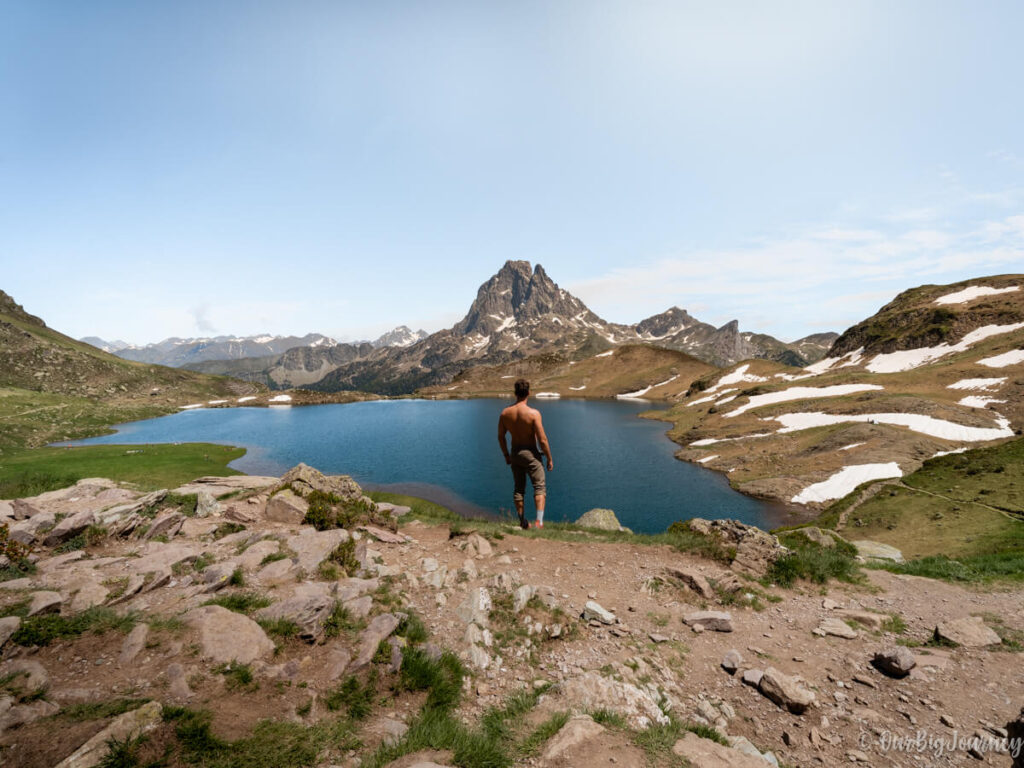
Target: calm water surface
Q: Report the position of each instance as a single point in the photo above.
(447, 451)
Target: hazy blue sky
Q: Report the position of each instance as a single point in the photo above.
(184, 168)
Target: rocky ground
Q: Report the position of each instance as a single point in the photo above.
(140, 611)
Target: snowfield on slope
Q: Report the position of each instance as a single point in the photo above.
(645, 390)
(926, 425)
(845, 480)
(981, 385)
(908, 359)
(972, 292)
(799, 393)
(1012, 357)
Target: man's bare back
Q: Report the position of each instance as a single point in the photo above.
(526, 428)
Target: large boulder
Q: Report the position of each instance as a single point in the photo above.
(591, 691)
(312, 547)
(601, 519)
(785, 691)
(226, 636)
(693, 579)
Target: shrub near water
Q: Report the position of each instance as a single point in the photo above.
(810, 561)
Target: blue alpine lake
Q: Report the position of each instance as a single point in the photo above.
(447, 451)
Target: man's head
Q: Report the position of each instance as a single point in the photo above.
(522, 389)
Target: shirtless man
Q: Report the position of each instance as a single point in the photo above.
(527, 430)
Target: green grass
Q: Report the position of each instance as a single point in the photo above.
(282, 628)
(30, 472)
(811, 562)
(237, 676)
(657, 740)
(43, 630)
(958, 518)
(420, 508)
(241, 602)
(354, 696)
(272, 743)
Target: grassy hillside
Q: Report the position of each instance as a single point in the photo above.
(959, 516)
(608, 373)
(53, 387)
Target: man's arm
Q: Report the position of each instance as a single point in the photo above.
(542, 438)
(502, 430)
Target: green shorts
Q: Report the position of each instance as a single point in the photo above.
(527, 461)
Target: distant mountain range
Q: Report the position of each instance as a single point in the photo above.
(182, 353)
(518, 312)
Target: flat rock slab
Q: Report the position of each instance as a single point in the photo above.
(710, 754)
(576, 732)
(124, 727)
(873, 621)
(226, 636)
(312, 547)
(8, 626)
(45, 602)
(253, 556)
(693, 579)
(838, 628)
(286, 507)
(157, 556)
(874, 550)
(591, 691)
(380, 628)
(970, 632)
(594, 611)
(716, 621)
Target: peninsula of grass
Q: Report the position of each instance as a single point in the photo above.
(148, 467)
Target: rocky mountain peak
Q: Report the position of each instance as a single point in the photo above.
(517, 293)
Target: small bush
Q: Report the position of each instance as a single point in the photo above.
(344, 555)
(100, 710)
(237, 676)
(443, 677)
(812, 562)
(354, 697)
(226, 529)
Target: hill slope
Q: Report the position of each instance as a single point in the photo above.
(939, 369)
(54, 387)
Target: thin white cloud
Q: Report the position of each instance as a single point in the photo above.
(802, 278)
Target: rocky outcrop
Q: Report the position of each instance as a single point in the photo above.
(755, 550)
(304, 479)
(591, 691)
(704, 752)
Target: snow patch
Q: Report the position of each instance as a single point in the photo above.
(645, 390)
(800, 393)
(609, 353)
(738, 376)
(189, 407)
(216, 402)
(577, 389)
(281, 399)
(725, 400)
(1012, 357)
(713, 440)
(845, 480)
(709, 398)
(246, 399)
(706, 459)
(972, 292)
(851, 446)
(926, 425)
(981, 385)
(907, 359)
(851, 358)
(978, 401)
(551, 395)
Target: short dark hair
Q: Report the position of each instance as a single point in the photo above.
(522, 389)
